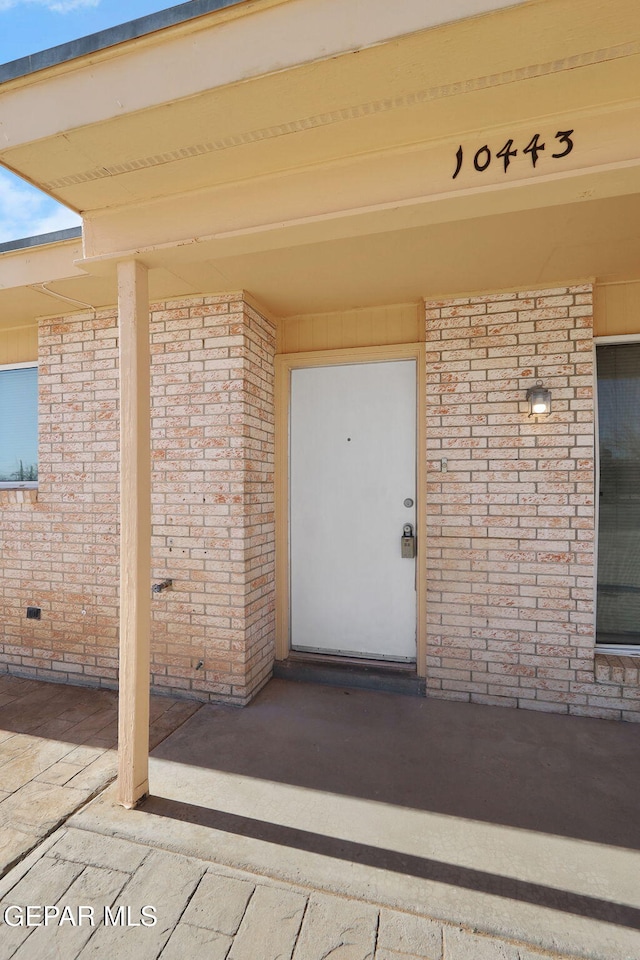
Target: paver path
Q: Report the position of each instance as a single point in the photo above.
(57, 750)
(202, 910)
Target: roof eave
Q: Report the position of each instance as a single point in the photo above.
(111, 37)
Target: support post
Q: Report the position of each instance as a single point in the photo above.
(135, 533)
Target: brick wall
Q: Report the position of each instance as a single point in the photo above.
(511, 518)
(213, 534)
(60, 552)
(510, 521)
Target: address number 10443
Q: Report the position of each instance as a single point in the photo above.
(483, 157)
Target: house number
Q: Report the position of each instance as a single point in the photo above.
(482, 157)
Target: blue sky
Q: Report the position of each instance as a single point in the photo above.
(27, 26)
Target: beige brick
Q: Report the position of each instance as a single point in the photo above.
(518, 500)
(67, 529)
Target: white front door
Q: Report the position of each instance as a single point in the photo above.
(352, 490)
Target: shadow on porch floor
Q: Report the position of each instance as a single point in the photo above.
(521, 824)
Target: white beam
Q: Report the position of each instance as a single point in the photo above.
(135, 533)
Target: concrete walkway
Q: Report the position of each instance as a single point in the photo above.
(331, 823)
(206, 911)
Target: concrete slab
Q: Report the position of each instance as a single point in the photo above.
(496, 819)
(32, 761)
(14, 842)
(163, 881)
(91, 890)
(45, 885)
(35, 807)
(187, 941)
(75, 846)
(462, 945)
(553, 774)
(412, 935)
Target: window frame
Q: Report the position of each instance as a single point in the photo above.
(21, 484)
(613, 649)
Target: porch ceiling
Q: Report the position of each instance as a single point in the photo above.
(535, 248)
(328, 184)
(32, 279)
(540, 247)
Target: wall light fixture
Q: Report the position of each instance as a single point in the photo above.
(539, 400)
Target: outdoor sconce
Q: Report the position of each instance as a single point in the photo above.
(539, 399)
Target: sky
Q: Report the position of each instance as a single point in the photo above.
(27, 26)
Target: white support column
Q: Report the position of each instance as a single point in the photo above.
(135, 533)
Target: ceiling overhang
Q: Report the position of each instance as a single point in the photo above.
(219, 105)
(524, 249)
(349, 157)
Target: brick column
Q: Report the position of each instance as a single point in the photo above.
(212, 425)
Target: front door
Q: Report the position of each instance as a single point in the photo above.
(352, 491)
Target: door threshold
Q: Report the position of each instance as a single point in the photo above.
(380, 675)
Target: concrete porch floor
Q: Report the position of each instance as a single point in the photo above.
(323, 822)
(520, 825)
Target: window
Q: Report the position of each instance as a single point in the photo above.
(618, 605)
(19, 425)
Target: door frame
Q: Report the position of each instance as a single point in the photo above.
(284, 364)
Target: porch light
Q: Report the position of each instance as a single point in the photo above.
(539, 400)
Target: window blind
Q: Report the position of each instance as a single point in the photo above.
(618, 607)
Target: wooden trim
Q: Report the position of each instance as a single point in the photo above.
(282, 391)
(616, 310)
(351, 329)
(421, 515)
(19, 345)
(284, 364)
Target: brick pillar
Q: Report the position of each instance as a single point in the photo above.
(212, 423)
